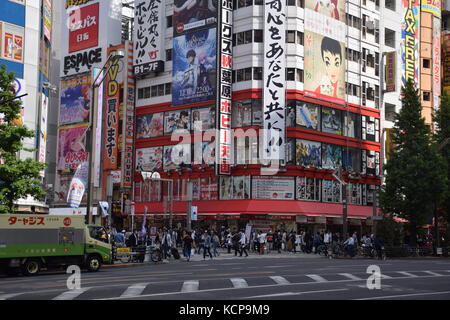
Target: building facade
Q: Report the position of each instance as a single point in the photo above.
(309, 70)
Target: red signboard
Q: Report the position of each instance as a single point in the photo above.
(83, 28)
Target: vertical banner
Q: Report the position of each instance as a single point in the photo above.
(129, 94)
(325, 32)
(274, 81)
(436, 62)
(47, 13)
(390, 71)
(224, 96)
(98, 131)
(72, 147)
(411, 41)
(43, 131)
(148, 35)
(112, 116)
(78, 185)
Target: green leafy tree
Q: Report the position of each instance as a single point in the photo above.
(442, 139)
(18, 178)
(416, 173)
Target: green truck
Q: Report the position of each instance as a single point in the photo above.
(29, 243)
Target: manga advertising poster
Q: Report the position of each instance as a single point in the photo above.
(436, 62)
(177, 121)
(13, 42)
(241, 187)
(308, 189)
(194, 67)
(325, 32)
(331, 156)
(308, 153)
(226, 188)
(75, 100)
(62, 184)
(204, 153)
(331, 191)
(72, 146)
(78, 185)
(308, 115)
(332, 121)
(149, 125)
(410, 41)
(204, 119)
(273, 188)
(149, 159)
(189, 15)
(177, 156)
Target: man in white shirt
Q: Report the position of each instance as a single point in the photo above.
(349, 245)
(243, 244)
(262, 241)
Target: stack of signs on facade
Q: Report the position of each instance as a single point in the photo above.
(411, 42)
(149, 30)
(325, 32)
(75, 100)
(274, 84)
(224, 96)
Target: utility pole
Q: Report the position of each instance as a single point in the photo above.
(189, 206)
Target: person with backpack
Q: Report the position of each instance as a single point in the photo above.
(215, 244)
(236, 237)
(243, 244)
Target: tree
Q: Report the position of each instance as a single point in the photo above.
(442, 139)
(18, 178)
(416, 173)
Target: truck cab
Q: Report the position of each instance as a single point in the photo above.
(98, 242)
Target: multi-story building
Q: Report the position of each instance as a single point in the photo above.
(329, 110)
(25, 44)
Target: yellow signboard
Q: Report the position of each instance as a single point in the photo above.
(432, 6)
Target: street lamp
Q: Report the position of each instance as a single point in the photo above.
(113, 58)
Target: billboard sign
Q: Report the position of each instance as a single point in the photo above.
(43, 131)
(436, 62)
(72, 146)
(325, 32)
(194, 67)
(75, 100)
(274, 80)
(47, 12)
(411, 41)
(78, 185)
(149, 159)
(12, 42)
(149, 31)
(432, 6)
(273, 188)
(83, 27)
(390, 71)
(189, 16)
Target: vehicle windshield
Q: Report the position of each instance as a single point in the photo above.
(99, 233)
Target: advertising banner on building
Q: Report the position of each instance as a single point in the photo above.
(411, 41)
(47, 15)
(273, 188)
(113, 80)
(148, 35)
(75, 100)
(432, 6)
(390, 71)
(331, 156)
(194, 67)
(189, 16)
(436, 62)
(43, 131)
(224, 96)
(308, 115)
(98, 130)
(308, 153)
(78, 185)
(274, 84)
(150, 125)
(325, 56)
(149, 159)
(12, 45)
(72, 146)
(82, 22)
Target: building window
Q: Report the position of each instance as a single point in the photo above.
(426, 63)
(426, 96)
(168, 88)
(300, 38)
(389, 37)
(389, 112)
(299, 75)
(258, 37)
(169, 21)
(290, 74)
(390, 4)
(290, 37)
(257, 73)
(169, 55)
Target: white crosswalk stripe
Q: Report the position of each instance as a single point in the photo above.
(279, 280)
(316, 277)
(350, 276)
(407, 274)
(70, 295)
(239, 283)
(190, 286)
(433, 273)
(134, 290)
(9, 296)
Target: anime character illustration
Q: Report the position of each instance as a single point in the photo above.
(183, 121)
(328, 8)
(171, 124)
(205, 64)
(196, 120)
(189, 11)
(191, 73)
(332, 58)
(155, 127)
(74, 142)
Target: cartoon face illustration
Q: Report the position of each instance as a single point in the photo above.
(332, 57)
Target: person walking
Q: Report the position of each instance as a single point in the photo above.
(206, 239)
(229, 242)
(236, 238)
(215, 244)
(262, 242)
(327, 240)
(349, 246)
(316, 242)
(166, 244)
(243, 244)
(187, 242)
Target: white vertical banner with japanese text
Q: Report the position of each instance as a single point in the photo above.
(224, 96)
(148, 35)
(98, 129)
(274, 80)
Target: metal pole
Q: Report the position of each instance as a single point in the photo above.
(109, 196)
(189, 207)
(344, 211)
(89, 148)
(171, 199)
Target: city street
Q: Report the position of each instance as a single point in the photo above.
(271, 277)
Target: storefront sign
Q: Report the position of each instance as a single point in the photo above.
(82, 61)
(83, 27)
(149, 30)
(410, 47)
(390, 71)
(273, 188)
(274, 83)
(432, 6)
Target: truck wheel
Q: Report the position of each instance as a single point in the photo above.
(93, 263)
(31, 267)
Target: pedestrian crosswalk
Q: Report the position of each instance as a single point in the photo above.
(236, 283)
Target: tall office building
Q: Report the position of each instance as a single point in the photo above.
(25, 44)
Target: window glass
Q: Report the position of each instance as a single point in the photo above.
(352, 125)
(242, 113)
(331, 156)
(257, 111)
(331, 120)
(203, 118)
(308, 115)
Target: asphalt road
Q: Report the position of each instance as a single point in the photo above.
(284, 277)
